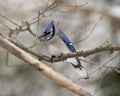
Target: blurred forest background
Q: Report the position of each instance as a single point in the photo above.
(88, 23)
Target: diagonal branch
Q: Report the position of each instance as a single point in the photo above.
(86, 53)
(47, 71)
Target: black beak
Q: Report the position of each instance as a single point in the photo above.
(43, 35)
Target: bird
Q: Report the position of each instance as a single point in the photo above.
(58, 42)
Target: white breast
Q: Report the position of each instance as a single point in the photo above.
(56, 46)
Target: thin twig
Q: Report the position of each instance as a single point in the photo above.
(92, 30)
(51, 6)
(41, 56)
(10, 20)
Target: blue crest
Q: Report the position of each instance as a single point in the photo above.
(48, 26)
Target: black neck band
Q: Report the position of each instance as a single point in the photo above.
(53, 31)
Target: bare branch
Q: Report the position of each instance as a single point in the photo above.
(41, 56)
(10, 20)
(92, 30)
(47, 71)
(48, 7)
(86, 53)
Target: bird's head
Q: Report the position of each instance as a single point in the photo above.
(49, 31)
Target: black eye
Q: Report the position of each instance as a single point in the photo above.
(48, 32)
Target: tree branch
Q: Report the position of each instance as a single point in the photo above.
(86, 53)
(47, 71)
(40, 56)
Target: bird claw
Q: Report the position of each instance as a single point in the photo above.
(52, 57)
(60, 55)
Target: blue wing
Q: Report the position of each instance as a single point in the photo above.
(67, 42)
(79, 68)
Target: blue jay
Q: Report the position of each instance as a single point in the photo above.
(59, 43)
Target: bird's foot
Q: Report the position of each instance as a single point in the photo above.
(52, 57)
